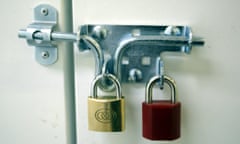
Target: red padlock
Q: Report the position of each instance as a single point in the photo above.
(161, 118)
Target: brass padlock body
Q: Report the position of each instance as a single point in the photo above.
(106, 114)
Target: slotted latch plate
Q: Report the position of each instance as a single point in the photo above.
(135, 50)
(39, 34)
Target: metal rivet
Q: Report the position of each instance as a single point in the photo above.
(100, 32)
(45, 54)
(44, 11)
(136, 32)
(135, 75)
(172, 30)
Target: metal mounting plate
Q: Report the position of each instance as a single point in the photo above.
(135, 50)
(39, 34)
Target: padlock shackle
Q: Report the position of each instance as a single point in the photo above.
(110, 77)
(149, 86)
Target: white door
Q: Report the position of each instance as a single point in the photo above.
(34, 99)
(207, 79)
(37, 102)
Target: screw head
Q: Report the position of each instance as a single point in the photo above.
(44, 11)
(45, 54)
(100, 32)
(172, 30)
(135, 75)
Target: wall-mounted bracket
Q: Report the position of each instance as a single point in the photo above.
(38, 34)
(135, 50)
(130, 52)
(41, 34)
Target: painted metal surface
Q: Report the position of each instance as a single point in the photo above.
(35, 100)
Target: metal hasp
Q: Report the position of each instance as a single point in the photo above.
(40, 33)
(135, 51)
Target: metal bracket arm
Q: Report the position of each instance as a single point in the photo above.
(135, 50)
(130, 52)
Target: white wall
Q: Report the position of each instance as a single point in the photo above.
(33, 105)
(33, 99)
(207, 80)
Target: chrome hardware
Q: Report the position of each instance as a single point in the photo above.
(130, 52)
(41, 34)
(38, 34)
(135, 51)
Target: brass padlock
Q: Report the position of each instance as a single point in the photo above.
(106, 113)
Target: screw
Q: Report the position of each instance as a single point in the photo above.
(135, 75)
(44, 11)
(172, 30)
(45, 54)
(100, 32)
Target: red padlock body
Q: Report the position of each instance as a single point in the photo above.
(161, 120)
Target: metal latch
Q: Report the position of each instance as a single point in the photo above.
(130, 52)
(133, 53)
(41, 34)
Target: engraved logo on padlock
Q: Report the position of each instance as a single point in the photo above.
(106, 113)
(161, 118)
